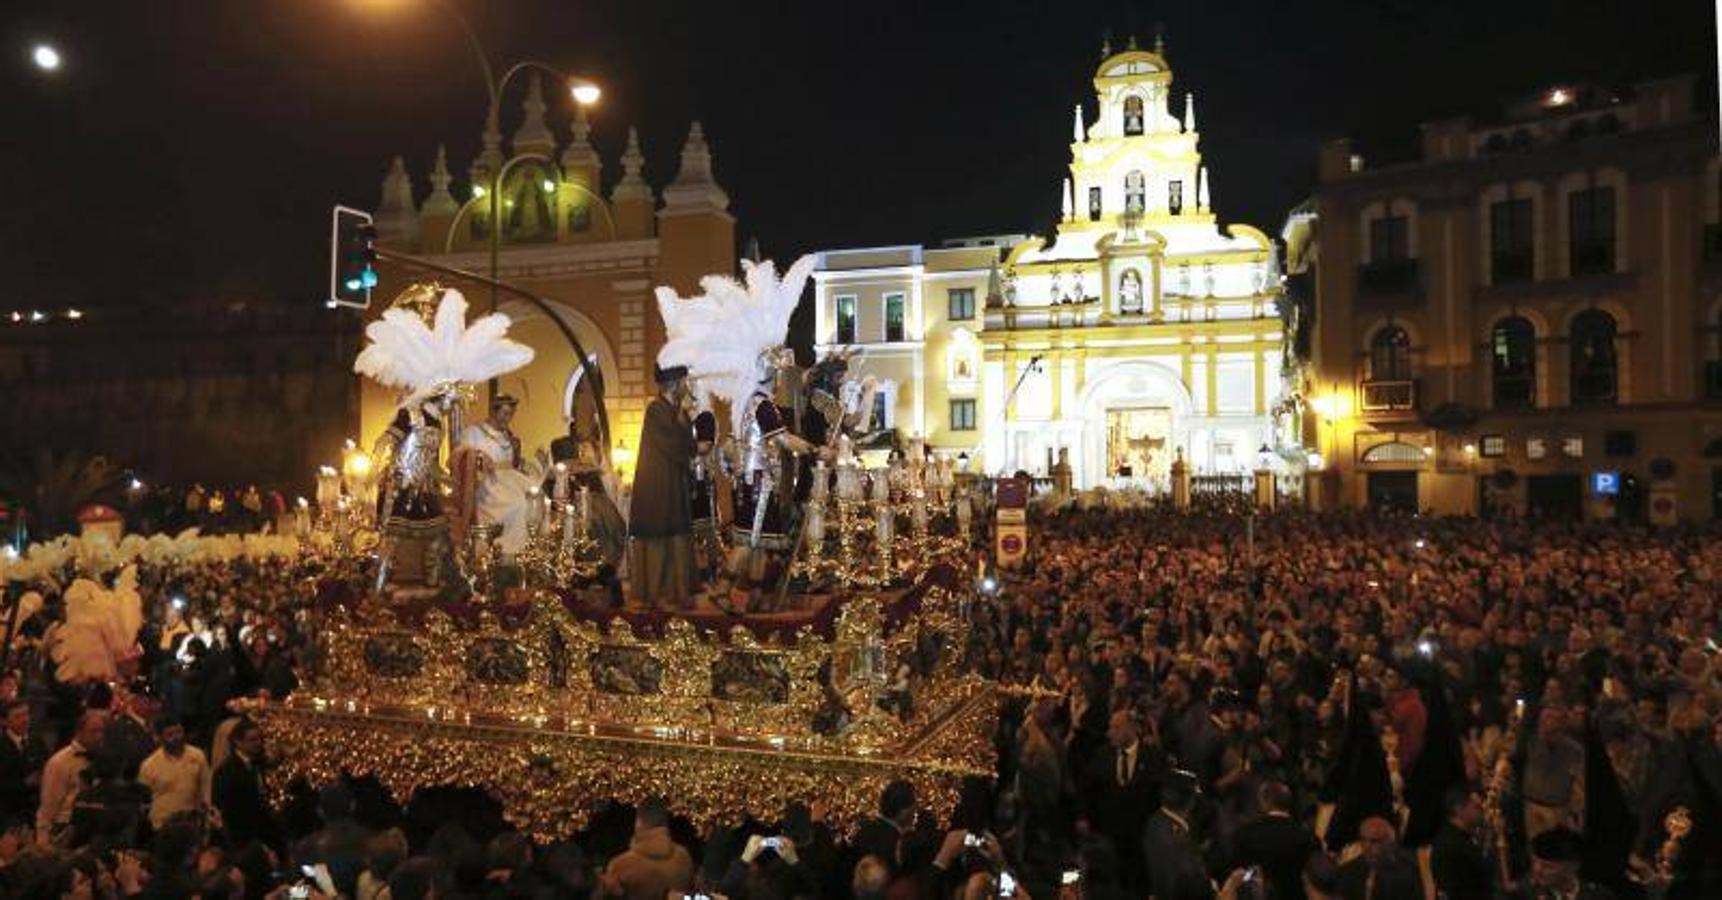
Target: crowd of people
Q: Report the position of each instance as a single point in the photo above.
(1332, 705)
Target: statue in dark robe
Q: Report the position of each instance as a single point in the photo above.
(660, 512)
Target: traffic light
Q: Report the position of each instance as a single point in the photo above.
(352, 258)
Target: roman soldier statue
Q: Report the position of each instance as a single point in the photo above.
(731, 339)
(423, 347)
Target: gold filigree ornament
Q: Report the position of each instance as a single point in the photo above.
(556, 716)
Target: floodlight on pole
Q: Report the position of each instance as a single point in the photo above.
(46, 57)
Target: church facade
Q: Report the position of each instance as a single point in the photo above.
(1141, 330)
(593, 254)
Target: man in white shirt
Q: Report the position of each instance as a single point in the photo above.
(177, 775)
(62, 776)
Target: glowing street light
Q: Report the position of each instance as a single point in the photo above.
(585, 92)
(46, 58)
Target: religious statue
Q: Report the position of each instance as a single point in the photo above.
(731, 340)
(1130, 293)
(584, 465)
(708, 543)
(504, 490)
(423, 346)
(660, 514)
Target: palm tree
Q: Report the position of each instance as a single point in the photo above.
(50, 488)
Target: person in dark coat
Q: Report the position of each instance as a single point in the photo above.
(237, 790)
(1459, 863)
(21, 759)
(1275, 841)
(660, 513)
(884, 835)
(1120, 786)
(1170, 846)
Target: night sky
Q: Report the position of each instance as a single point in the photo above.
(189, 149)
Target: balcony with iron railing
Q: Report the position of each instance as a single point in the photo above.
(1389, 396)
(1592, 258)
(1511, 267)
(1389, 284)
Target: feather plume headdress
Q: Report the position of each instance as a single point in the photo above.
(731, 334)
(428, 358)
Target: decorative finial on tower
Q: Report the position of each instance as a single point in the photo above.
(632, 183)
(1068, 200)
(1131, 45)
(396, 215)
(1160, 39)
(1106, 44)
(995, 288)
(1202, 189)
(579, 153)
(694, 187)
(490, 158)
(1190, 113)
(533, 136)
(1078, 132)
(440, 200)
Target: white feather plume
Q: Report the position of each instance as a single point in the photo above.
(407, 354)
(720, 335)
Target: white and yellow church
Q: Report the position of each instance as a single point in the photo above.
(1140, 330)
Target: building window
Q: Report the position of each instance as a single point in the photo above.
(1094, 205)
(1389, 239)
(1133, 115)
(1493, 446)
(962, 415)
(881, 410)
(845, 320)
(961, 303)
(1130, 292)
(1536, 448)
(1390, 355)
(1511, 241)
(1175, 196)
(1590, 230)
(893, 317)
(1135, 193)
(1572, 446)
(1513, 346)
(1595, 368)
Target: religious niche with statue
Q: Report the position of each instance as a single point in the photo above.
(486, 639)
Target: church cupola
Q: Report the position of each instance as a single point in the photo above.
(631, 200)
(533, 136)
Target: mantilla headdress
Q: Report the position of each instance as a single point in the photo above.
(731, 337)
(426, 356)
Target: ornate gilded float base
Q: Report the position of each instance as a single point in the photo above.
(551, 779)
(554, 715)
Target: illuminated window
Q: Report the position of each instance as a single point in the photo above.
(845, 320)
(961, 303)
(1514, 354)
(1594, 364)
(1135, 192)
(1536, 448)
(893, 317)
(1094, 205)
(1133, 115)
(1175, 196)
(962, 415)
(1572, 447)
(1390, 355)
(1493, 445)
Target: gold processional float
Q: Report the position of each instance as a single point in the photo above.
(532, 688)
